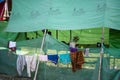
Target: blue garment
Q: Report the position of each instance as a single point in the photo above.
(1, 1)
(53, 58)
(65, 58)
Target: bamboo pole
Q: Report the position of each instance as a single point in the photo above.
(101, 54)
(40, 52)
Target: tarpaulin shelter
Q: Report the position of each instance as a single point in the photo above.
(69, 15)
(59, 16)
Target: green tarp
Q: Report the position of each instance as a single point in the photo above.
(87, 36)
(63, 15)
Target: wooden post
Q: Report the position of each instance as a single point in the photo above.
(70, 35)
(40, 52)
(101, 54)
(56, 34)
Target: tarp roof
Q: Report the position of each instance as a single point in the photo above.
(63, 15)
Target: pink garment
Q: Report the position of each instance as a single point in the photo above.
(2, 9)
(43, 57)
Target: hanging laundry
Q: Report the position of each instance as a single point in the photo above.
(43, 57)
(87, 52)
(73, 60)
(73, 49)
(6, 13)
(53, 58)
(80, 59)
(31, 63)
(65, 58)
(77, 59)
(20, 64)
(12, 45)
(2, 9)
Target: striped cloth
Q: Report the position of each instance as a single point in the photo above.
(77, 59)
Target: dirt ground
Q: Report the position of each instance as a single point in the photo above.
(6, 77)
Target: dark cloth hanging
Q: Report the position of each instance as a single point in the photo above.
(77, 59)
(73, 61)
(53, 58)
(80, 59)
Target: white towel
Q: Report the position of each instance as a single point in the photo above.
(20, 64)
(31, 63)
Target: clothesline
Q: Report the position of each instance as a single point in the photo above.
(30, 61)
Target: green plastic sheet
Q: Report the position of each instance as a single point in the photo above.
(63, 15)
